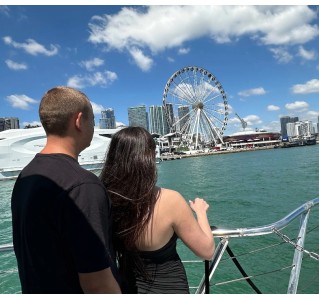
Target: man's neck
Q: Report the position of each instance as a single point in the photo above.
(63, 145)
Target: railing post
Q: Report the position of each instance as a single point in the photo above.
(206, 277)
(295, 272)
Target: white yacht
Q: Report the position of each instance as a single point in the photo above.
(18, 147)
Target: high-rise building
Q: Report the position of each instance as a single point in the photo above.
(170, 116)
(138, 116)
(183, 115)
(9, 123)
(291, 129)
(158, 121)
(300, 129)
(107, 120)
(283, 125)
(308, 128)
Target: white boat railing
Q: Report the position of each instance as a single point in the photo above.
(226, 235)
(302, 211)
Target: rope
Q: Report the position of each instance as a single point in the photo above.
(241, 270)
(254, 276)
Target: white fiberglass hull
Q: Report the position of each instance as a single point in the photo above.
(19, 146)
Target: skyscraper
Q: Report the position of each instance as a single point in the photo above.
(138, 116)
(283, 125)
(169, 114)
(9, 123)
(158, 121)
(107, 120)
(183, 115)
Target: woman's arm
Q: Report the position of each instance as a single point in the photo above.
(196, 234)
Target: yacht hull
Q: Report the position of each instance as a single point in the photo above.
(19, 146)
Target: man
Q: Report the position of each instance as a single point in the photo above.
(60, 212)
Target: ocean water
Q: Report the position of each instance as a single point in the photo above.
(245, 189)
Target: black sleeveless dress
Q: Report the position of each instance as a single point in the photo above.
(163, 272)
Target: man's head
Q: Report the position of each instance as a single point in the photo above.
(59, 105)
(67, 114)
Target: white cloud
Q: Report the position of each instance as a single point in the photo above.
(32, 47)
(183, 50)
(272, 107)
(252, 120)
(170, 59)
(314, 114)
(97, 108)
(297, 105)
(230, 109)
(305, 54)
(20, 101)
(273, 126)
(90, 65)
(99, 78)
(311, 86)
(281, 55)
(119, 124)
(233, 121)
(15, 66)
(142, 61)
(160, 27)
(252, 92)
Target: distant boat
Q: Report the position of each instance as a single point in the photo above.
(305, 141)
(19, 146)
(310, 140)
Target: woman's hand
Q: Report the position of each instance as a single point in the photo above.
(198, 205)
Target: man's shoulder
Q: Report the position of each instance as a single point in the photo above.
(61, 169)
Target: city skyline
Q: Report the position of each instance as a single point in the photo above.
(265, 57)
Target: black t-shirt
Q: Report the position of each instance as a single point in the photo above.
(61, 220)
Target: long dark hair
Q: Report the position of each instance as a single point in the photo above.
(130, 177)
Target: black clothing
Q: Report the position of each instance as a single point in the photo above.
(164, 272)
(61, 225)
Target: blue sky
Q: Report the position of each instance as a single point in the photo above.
(266, 57)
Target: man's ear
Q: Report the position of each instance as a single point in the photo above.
(78, 121)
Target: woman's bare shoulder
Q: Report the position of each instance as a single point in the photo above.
(171, 196)
(170, 193)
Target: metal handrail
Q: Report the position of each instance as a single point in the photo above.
(224, 235)
(6, 247)
(266, 229)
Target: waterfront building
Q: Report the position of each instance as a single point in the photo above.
(183, 115)
(138, 116)
(252, 139)
(170, 117)
(291, 129)
(158, 121)
(107, 120)
(300, 129)
(307, 128)
(9, 123)
(283, 125)
(177, 127)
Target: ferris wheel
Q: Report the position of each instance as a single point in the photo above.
(196, 107)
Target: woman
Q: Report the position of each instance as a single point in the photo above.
(149, 219)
